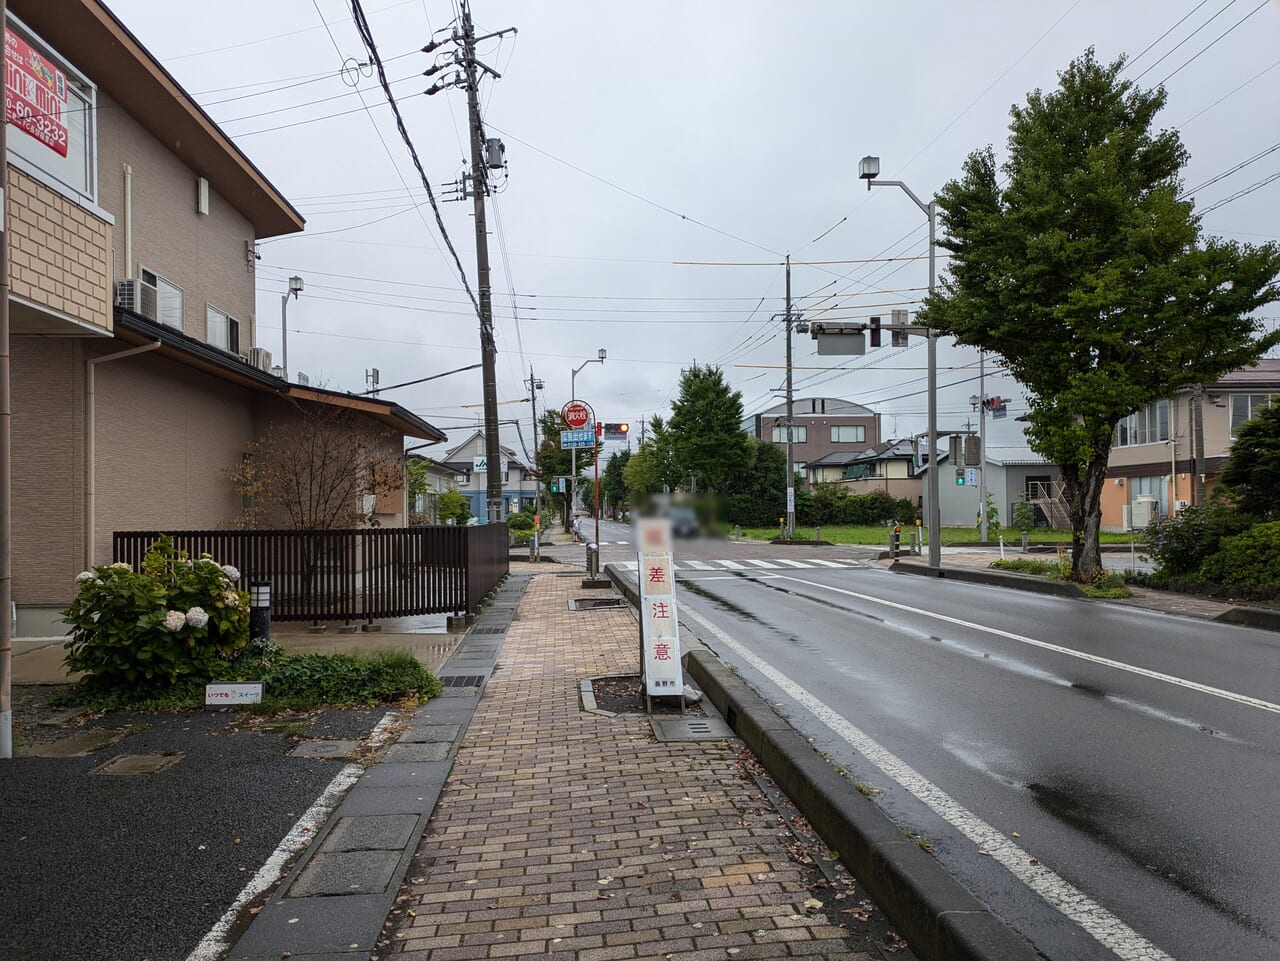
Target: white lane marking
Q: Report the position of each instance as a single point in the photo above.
(766, 564)
(700, 565)
(791, 563)
(730, 565)
(1104, 926)
(826, 563)
(1059, 649)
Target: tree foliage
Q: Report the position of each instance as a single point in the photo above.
(1089, 276)
(706, 435)
(317, 469)
(757, 497)
(1252, 469)
(454, 506)
(612, 486)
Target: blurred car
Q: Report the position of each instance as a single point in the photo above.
(684, 521)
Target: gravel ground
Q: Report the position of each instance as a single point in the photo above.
(139, 867)
(622, 695)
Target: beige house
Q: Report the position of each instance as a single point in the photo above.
(887, 467)
(136, 376)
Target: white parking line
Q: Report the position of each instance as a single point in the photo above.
(1057, 648)
(1100, 923)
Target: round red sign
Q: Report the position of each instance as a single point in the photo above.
(576, 414)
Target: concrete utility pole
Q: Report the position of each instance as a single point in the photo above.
(488, 346)
(791, 469)
(1198, 496)
(6, 454)
(534, 385)
(982, 446)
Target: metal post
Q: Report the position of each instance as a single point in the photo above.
(6, 457)
(537, 481)
(935, 509)
(982, 447)
(284, 335)
(573, 459)
(791, 470)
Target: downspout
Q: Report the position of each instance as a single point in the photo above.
(90, 472)
(128, 221)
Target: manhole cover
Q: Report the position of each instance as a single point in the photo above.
(462, 680)
(690, 728)
(139, 763)
(595, 603)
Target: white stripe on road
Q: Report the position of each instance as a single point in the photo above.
(700, 565)
(791, 563)
(730, 565)
(1105, 927)
(827, 563)
(767, 564)
(1057, 648)
(216, 943)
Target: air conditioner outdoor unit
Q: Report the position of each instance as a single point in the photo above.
(260, 357)
(1144, 511)
(139, 297)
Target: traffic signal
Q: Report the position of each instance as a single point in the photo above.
(616, 431)
(959, 477)
(875, 331)
(555, 485)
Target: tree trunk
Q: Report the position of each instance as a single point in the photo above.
(1083, 488)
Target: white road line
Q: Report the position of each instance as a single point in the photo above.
(700, 565)
(826, 563)
(767, 564)
(730, 565)
(791, 563)
(1100, 923)
(1057, 648)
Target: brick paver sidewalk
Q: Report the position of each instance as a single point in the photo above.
(562, 834)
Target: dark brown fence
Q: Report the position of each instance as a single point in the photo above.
(350, 574)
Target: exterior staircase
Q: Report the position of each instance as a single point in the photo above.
(1049, 497)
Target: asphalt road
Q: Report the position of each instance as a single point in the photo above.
(1134, 754)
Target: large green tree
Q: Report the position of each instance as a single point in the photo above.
(1088, 275)
(708, 444)
(1252, 469)
(612, 485)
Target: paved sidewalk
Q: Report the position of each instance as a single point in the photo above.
(563, 834)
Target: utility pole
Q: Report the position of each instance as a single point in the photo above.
(791, 471)
(982, 446)
(534, 384)
(1198, 496)
(6, 457)
(488, 346)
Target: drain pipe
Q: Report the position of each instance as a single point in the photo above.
(90, 471)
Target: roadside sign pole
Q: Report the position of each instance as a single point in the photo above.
(596, 572)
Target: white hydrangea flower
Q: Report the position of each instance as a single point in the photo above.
(122, 565)
(84, 576)
(231, 572)
(174, 620)
(197, 618)
(231, 599)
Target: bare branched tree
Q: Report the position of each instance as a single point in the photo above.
(317, 470)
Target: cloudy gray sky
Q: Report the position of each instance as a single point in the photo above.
(663, 159)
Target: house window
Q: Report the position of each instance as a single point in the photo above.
(849, 434)
(51, 110)
(168, 298)
(223, 330)
(1153, 486)
(1147, 426)
(1246, 407)
(798, 467)
(799, 435)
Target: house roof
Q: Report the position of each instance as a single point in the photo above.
(88, 35)
(819, 407)
(178, 347)
(1265, 374)
(888, 450)
(837, 458)
(507, 452)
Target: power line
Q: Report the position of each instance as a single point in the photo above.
(1230, 93)
(1147, 48)
(1227, 173)
(1213, 42)
(1242, 193)
(1168, 53)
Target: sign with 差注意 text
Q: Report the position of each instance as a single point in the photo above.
(659, 621)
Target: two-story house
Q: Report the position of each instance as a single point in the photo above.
(137, 380)
(828, 430)
(468, 460)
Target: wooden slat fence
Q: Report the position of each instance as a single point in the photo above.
(350, 574)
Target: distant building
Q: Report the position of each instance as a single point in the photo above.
(466, 461)
(888, 467)
(822, 427)
(1008, 479)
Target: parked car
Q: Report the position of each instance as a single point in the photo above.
(684, 521)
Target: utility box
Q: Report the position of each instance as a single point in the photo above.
(1145, 508)
(972, 451)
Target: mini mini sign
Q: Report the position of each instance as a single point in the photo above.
(230, 695)
(659, 622)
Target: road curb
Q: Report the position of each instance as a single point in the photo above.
(1019, 582)
(1258, 617)
(939, 918)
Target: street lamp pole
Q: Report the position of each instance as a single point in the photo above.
(295, 288)
(869, 170)
(601, 354)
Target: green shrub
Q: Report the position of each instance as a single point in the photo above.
(1250, 560)
(1024, 515)
(174, 621)
(520, 522)
(309, 679)
(1180, 545)
(904, 510)
(1025, 565)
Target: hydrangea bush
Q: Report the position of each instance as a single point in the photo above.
(175, 620)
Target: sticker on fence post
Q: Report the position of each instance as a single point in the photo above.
(659, 621)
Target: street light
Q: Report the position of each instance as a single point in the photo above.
(573, 454)
(869, 170)
(295, 288)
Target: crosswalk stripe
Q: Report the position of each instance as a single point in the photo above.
(731, 565)
(791, 563)
(826, 563)
(767, 564)
(700, 565)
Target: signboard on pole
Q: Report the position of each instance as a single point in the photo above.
(577, 439)
(576, 415)
(659, 623)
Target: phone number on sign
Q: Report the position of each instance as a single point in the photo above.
(49, 132)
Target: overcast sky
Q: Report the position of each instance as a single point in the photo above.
(663, 160)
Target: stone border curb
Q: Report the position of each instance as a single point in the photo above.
(1259, 617)
(1019, 582)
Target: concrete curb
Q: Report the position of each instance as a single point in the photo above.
(1259, 617)
(1020, 582)
(939, 918)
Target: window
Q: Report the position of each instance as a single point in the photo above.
(223, 330)
(51, 116)
(168, 298)
(849, 434)
(1155, 486)
(1246, 407)
(797, 467)
(1147, 426)
(799, 435)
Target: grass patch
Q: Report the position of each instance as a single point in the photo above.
(291, 682)
(1027, 565)
(1106, 585)
(877, 535)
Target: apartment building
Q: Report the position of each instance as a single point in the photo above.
(822, 427)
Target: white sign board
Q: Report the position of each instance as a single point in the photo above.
(659, 621)
(480, 465)
(232, 694)
(971, 476)
(579, 439)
